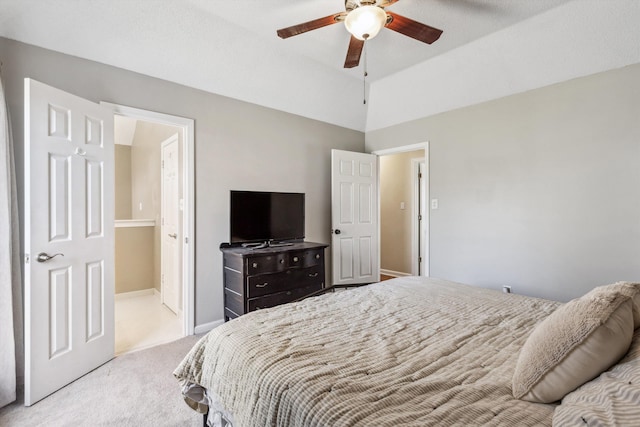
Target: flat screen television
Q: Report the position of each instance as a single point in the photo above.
(266, 217)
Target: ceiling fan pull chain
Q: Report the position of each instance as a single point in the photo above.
(364, 78)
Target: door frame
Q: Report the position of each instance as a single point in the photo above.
(414, 241)
(419, 208)
(188, 184)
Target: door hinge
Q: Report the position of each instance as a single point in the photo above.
(162, 163)
(419, 174)
(419, 259)
(419, 217)
(186, 240)
(26, 258)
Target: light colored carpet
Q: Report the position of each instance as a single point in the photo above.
(135, 389)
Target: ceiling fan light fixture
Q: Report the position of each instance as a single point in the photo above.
(365, 22)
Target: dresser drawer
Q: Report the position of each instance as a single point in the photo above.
(233, 302)
(281, 297)
(230, 314)
(267, 264)
(233, 262)
(232, 280)
(313, 257)
(264, 284)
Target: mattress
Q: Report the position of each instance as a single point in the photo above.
(410, 351)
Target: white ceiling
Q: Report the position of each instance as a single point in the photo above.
(231, 48)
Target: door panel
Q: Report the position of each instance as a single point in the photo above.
(60, 312)
(354, 213)
(59, 190)
(94, 197)
(69, 195)
(95, 300)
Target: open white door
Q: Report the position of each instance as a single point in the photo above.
(354, 217)
(170, 228)
(69, 195)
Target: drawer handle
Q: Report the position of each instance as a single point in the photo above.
(314, 274)
(281, 261)
(295, 259)
(262, 285)
(254, 265)
(317, 256)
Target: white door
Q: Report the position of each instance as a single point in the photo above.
(354, 217)
(69, 195)
(171, 286)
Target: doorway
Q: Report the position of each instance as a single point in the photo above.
(404, 217)
(153, 274)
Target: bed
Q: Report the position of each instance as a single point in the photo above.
(411, 351)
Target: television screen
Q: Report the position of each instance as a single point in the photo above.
(258, 216)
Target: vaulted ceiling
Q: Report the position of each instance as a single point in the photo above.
(489, 49)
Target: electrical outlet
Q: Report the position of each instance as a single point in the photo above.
(506, 289)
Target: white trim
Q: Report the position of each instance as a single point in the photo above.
(206, 327)
(426, 220)
(403, 149)
(188, 224)
(394, 273)
(415, 210)
(127, 223)
(134, 294)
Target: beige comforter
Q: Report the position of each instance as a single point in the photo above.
(405, 352)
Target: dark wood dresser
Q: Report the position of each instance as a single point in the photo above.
(266, 277)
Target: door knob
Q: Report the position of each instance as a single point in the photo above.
(44, 257)
(173, 236)
(337, 231)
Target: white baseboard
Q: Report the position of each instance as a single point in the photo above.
(206, 327)
(133, 294)
(393, 273)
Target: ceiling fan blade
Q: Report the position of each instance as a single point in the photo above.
(413, 29)
(354, 52)
(294, 30)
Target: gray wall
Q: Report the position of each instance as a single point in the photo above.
(238, 146)
(122, 174)
(539, 190)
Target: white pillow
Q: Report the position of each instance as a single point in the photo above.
(577, 342)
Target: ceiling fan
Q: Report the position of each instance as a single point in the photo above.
(364, 19)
